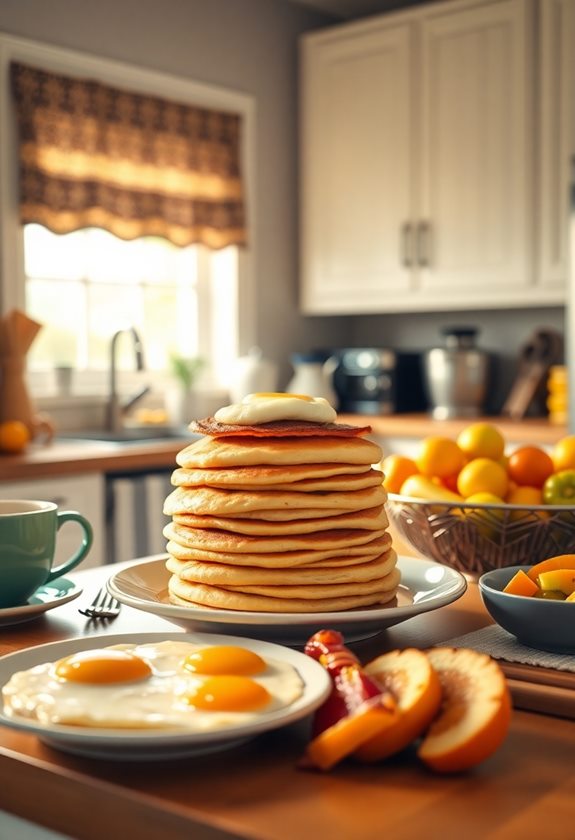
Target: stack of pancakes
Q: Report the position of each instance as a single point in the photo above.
(282, 517)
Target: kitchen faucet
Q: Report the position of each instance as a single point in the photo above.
(116, 411)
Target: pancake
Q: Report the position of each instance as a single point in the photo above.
(229, 481)
(189, 594)
(213, 501)
(348, 555)
(210, 452)
(219, 574)
(263, 475)
(372, 518)
(227, 542)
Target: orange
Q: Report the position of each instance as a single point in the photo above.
(439, 457)
(481, 440)
(563, 454)
(482, 475)
(530, 465)
(526, 497)
(396, 468)
(475, 710)
(560, 561)
(14, 436)
(408, 676)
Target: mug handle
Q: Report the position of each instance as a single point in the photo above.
(88, 538)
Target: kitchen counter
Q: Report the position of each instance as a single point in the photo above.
(69, 457)
(531, 430)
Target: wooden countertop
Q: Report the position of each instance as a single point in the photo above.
(67, 457)
(255, 791)
(71, 457)
(533, 430)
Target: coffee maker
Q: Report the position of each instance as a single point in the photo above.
(375, 380)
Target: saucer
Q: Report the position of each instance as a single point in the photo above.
(47, 597)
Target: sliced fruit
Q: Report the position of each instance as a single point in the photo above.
(347, 734)
(557, 580)
(475, 712)
(570, 597)
(410, 679)
(560, 561)
(521, 584)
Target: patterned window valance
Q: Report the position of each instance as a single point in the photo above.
(136, 165)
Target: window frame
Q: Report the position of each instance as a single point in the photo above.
(134, 78)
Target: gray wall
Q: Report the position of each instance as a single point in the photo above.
(251, 46)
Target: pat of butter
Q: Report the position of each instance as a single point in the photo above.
(267, 407)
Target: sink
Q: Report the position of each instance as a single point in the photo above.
(132, 434)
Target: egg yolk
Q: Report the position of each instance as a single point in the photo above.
(102, 666)
(278, 395)
(229, 694)
(224, 659)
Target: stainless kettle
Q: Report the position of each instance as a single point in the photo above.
(456, 376)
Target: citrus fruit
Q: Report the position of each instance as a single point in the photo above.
(407, 674)
(486, 519)
(396, 468)
(440, 457)
(482, 475)
(14, 436)
(563, 454)
(481, 440)
(527, 497)
(475, 710)
(560, 561)
(530, 465)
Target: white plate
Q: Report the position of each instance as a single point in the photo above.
(122, 744)
(425, 586)
(51, 595)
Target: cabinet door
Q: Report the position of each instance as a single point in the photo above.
(557, 139)
(476, 196)
(356, 168)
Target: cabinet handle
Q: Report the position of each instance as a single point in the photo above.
(424, 244)
(407, 245)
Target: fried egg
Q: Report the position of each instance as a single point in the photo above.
(164, 685)
(266, 407)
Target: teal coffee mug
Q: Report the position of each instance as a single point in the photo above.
(28, 532)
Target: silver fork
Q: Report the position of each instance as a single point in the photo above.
(103, 606)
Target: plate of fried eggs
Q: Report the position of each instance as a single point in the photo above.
(156, 695)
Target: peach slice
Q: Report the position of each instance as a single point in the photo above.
(410, 679)
(521, 584)
(558, 580)
(560, 561)
(475, 711)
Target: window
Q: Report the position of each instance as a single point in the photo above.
(181, 300)
(84, 285)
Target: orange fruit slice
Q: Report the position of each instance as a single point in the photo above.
(475, 711)
(410, 679)
(521, 584)
(560, 561)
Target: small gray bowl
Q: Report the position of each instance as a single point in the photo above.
(535, 622)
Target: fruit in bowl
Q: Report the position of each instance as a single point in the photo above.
(485, 508)
(535, 620)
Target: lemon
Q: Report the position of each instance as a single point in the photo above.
(481, 440)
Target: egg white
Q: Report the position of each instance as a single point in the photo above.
(265, 408)
(156, 702)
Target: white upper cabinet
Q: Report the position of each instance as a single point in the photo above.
(418, 162)
(556, 137)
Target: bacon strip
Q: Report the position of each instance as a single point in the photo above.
(278, 428)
